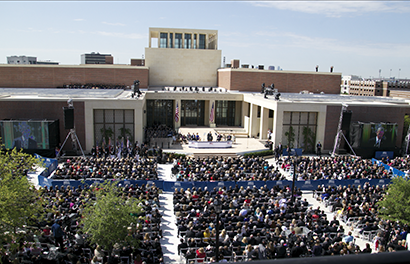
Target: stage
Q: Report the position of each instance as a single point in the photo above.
(210, 144)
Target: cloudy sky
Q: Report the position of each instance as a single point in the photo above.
(355, 37)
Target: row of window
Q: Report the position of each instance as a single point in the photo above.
(190, 41)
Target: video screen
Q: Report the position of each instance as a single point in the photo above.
(25, 134)
(379, 135)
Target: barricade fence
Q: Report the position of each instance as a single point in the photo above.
(169, 186)
(394, 171)
(50, 165)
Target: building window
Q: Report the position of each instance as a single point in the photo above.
(225, 113)
(195, 42)
(178, 40)
(160, 112)
(163, 40)
(171, 44)
(188, 41)
(202, 38)
(113, 125)
(259, 112)
(270, 113)
(304, 124)
(192, 112)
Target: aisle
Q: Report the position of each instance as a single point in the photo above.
(329, 215)
(169, 242)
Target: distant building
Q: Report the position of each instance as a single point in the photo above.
(21, 60)
(399, 88)
(96, 58)
(47, 62)
(345, 84)
(28, 60)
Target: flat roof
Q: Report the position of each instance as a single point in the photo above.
(117, 66)
(276, 71)
(63, 94)
(335, 98)
(27, 93)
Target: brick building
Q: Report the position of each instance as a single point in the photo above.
(231, 95)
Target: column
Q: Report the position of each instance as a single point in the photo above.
(264, 123)
(139, 123)
(254, 121)
(277, 126)
(211, 123)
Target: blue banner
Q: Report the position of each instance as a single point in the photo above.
(170, 186)
(50, 164)
(394, 171)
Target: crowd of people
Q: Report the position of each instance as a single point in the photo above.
(159, 131)
(357, 207)
(255, 224)
(93, 86)
(400, 163)
(58, 237)
(225, 169)
(129, 168)
(337, 168)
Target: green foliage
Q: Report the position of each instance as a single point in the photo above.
(107, 218)
(173, 155)
(395, 206)
(124, 132)
(308, 140)
(20, 202)
(259, 153)
(107, 133)
(290, 135)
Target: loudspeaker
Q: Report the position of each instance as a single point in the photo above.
(346, 119)
(68, 118)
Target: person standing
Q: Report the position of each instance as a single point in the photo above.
(319, 149)
(210, 137)
(280, 149)
(58, 234)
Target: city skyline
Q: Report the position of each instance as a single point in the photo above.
(356, 38)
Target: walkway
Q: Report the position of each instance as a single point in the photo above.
(169, 242)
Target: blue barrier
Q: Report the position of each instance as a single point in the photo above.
(293, 152)
(384, 154)
(50, 164)
(169, 186)
(395, 172)
(75, 184)
(43, 181)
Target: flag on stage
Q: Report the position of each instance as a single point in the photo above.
(211, 116)
(177, 113)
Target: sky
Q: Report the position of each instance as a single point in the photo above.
(355, 37)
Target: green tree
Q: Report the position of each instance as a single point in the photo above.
(395, 205)
(290, 135)
(308, 139)
(20, 202)
(108, 217)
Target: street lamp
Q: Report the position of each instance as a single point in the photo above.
(295, 162)
(218, 210)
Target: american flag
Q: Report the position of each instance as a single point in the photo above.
(211, 116)
(177, 113)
